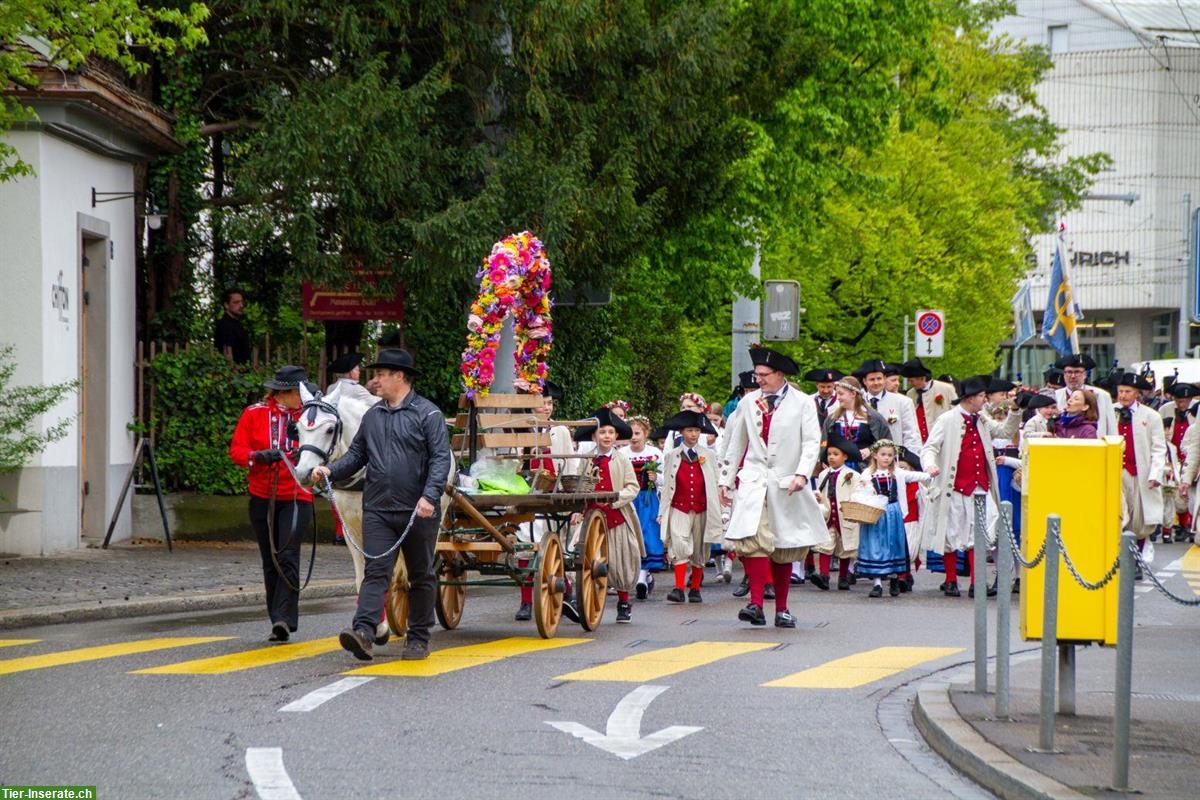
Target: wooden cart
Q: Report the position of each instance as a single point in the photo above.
(479, 531)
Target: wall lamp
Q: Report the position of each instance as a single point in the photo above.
(154, 218)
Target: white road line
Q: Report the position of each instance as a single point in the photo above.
(271, 781)
(319, 696)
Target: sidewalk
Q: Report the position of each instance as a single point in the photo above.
(141, 579)
(1165, 750)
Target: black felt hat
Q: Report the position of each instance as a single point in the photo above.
(1076, 360)
(1000, 385)
(746, 380)
(891, 369)
(1040, 400)
(604, 417)
(766, 357)
(869, 366)
(553, 390)
(394, 358)
(910, 458)
(914, 368)
(1135, 381)
(839, 442)
(824, 375)
(1053, 375)
(976, 384)
(344, 363)
(689, 419)
(289, 377)
(1185, 390)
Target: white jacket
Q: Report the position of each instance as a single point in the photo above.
(666, 492)
(901, 416)
(928, 399)
(1150, 454)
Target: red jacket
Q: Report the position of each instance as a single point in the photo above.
(261, 427)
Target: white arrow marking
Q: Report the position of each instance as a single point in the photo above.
(271, 781)
(326, 693)
(623, 736)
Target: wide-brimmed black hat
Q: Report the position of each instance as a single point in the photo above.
(394, 358)
(344, 363)
(689, 419)
(914, 368)
(869, 366)
(553, 390)
(1077, 360)
(746, 380)
(1023, 397)
(848, 448)
(766, 357)
(1053, 375)
(603, 417)
(824, 375)
(976, 384)
(289, 377)
(1000, 385)
(909, 457)
(1185, 390)
(1135, 381)
(891, 369)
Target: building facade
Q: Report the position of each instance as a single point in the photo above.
(68, 305)
(1126, 82)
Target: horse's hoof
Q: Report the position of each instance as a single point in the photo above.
(382, 634)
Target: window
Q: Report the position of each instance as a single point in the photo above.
(1162, 344)
(1058, 39)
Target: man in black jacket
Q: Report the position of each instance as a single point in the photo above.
(404, 446)
(230, 334)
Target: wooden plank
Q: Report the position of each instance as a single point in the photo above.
(461, 440)
(503, 420)
(469, 547)
(496, 400)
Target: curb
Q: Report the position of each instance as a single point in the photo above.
(953, 738)
(171, 604)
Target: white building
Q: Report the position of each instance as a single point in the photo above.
(68, 304)
(1126, 82)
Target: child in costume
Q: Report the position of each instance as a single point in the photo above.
(883, 545)
(836, 485)
(691, 511)
(646, 460)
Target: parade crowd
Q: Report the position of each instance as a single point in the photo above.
(858, 477)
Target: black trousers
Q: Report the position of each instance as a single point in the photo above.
(292, 519)
(380, 531)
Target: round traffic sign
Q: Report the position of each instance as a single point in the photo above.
(929, 323)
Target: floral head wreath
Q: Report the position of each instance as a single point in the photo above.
(621, 404)
(640, 420)
(855, 387)
(879, 444)
(693, 398)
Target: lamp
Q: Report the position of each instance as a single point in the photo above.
(154, 218)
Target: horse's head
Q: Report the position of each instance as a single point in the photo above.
(317, 430)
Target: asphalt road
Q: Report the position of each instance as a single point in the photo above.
(203, 718)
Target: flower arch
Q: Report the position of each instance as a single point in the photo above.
(514, 279)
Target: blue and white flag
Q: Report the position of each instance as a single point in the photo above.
(1062, 312)
(1024, 327)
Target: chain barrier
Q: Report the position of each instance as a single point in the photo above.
(1086, 584)
(1147, 571)
(1016, 548)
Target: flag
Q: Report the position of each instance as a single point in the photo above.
(1062, 312)
(1024, 327)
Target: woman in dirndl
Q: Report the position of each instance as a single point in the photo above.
(646, 460)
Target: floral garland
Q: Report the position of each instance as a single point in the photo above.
(514, 279)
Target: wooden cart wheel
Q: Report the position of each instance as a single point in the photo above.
(549, 583)
(593, 570)
(450, 599)
(396, 603)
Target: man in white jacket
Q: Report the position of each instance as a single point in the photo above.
(897, 409)
(1145, 457)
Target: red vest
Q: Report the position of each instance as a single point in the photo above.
(1178, 429)
(611, 515)
(690, 496)
(766, 431)
(1130, 456)
(972, 469)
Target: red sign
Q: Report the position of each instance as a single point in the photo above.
(345, 304)
(929, 324)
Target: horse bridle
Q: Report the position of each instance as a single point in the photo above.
(312, 407)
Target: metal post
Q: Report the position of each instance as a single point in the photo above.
(1004, 570)
(980, 593)
(1049, 634)
(1066, 679)
(1124, 683)
(906, 338)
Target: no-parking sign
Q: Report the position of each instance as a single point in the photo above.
(931, 331)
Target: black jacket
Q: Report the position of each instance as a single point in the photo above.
(230, 333)
(406, 451)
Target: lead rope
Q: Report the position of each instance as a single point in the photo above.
(312, 558)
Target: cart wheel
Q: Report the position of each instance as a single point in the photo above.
(549, 585)
(450, 599)
(593, 571)
(396, 603)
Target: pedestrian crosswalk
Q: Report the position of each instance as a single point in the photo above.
(1189, 566)
(655, 662)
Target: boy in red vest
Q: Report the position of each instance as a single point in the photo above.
(689, 512)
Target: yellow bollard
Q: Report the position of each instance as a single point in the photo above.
(1079, 480)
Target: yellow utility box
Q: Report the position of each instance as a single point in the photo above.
(1080, 480)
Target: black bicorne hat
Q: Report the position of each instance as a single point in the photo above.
(603, 417)
(1135, 381)
(1185, 390)
(766, 357)
(746, 380)
(553, 390)
(848, 448)
(869, 366)
(824, 375)
(976, 384)
(1077, 360)
(914, 368)
(689, 419)
(1000, 385)
(344, 363)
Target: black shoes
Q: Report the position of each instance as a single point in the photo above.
(796, 580)
(623, 612)
(279, 633)
(357, 643)
(694, 596)
(876, 591)
(820, 581)
(743, 588)
(894, 587)
(570, 612)
(951, 589)
(752, 614)
(1016, 586)
(843, 584)
(642, 590)
(415, 651)
(675, 595)
(784, 619)
(991, 591)
(769, 592)
(906, 584)
(524, 613)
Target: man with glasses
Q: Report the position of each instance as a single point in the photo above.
(1075, 371)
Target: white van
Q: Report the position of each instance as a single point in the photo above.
(1189, 369)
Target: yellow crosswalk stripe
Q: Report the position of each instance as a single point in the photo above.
(65, 657)
(656, 664)
(1189, 565)
(452, 659)
(218, 665)
(862, 668)
(15, 642)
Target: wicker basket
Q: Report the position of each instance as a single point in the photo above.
(575, 484)
(541, 481)
(859, 512)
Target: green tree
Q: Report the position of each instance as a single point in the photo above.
(20, 438)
